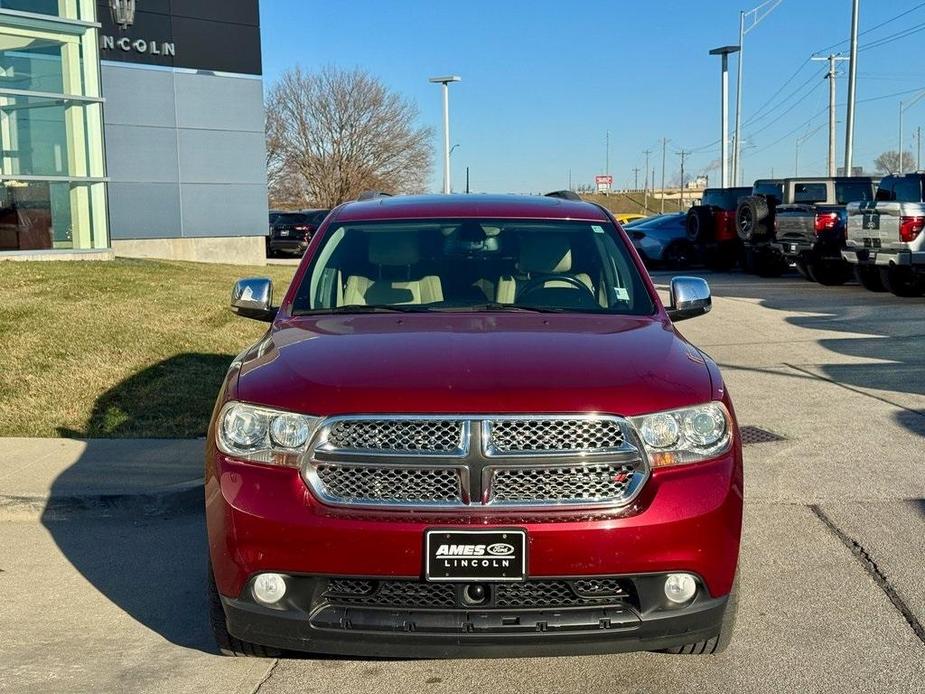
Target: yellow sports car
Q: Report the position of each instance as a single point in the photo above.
(626, 218)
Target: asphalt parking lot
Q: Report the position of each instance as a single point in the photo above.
(833, 576)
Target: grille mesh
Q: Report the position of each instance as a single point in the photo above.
(405, 484)
(535, 594)
(554, 435)
(439, 436)
(594, 482)
(392, 593)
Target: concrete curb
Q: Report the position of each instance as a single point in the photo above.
(179, 499)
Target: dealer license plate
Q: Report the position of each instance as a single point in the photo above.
(475, 555)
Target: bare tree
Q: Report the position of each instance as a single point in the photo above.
(888, 162)
(335, 133)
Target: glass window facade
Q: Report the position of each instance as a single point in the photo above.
(52, 163)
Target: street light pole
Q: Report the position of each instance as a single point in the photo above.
(724, 52)
(445, 81)
(755, 16)
(832, 74)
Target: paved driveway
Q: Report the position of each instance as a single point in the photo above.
(833, 556)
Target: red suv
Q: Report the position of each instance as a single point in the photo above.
(472, 429)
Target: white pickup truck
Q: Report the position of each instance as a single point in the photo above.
(885, 240)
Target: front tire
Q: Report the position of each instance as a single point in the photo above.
(228, 644)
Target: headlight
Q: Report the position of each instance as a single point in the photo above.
(685, 436)
(262, 435)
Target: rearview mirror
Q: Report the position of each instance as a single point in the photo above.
(690, 297)
(253, 298)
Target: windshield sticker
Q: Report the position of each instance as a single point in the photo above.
(597, 229)
(622, 294)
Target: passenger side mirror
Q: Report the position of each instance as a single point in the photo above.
(690, 297)
(252, 298)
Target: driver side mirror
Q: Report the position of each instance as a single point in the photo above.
(253, 298)
(690, 297)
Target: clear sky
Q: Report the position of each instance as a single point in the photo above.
(544, 81)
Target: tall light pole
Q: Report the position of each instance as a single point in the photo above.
(445, 81)
(852, 84)
(747, 21)
(724, 52)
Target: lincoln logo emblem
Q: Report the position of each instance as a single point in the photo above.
(123, 12)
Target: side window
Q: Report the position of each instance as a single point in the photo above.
(885, 191)
(809, 192)
(853, 191)
(908, 189)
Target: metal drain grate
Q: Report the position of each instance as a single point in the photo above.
(751, 434)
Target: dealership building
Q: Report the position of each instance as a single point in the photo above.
(132, 125)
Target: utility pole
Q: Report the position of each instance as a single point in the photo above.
(833, 59)
(902, 109)
(645, 195)
(467, 179)
(918, 148)
(636, 178)
(664, 152)
(607, 155)
(683, 154)
(569, 179)
(755, 16)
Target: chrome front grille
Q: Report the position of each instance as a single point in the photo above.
(385, 436)
(593, 482)
(526, 435)
(470, 461)
(414, 484)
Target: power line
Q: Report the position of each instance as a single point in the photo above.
(792, 106)
(893, 37)
(874, 28)
(816, 75)
(775, 94)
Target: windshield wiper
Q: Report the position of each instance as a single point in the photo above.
(494, 306)
(366, 308)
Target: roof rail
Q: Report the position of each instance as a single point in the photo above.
(564, 195)
(373, 194)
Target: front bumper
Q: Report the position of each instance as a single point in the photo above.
(310, 622)
(881, 258)
(263, 518)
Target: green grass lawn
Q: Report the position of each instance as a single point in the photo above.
(128, 348)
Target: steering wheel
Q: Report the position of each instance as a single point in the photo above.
(537, 283)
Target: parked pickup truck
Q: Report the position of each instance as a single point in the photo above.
(885, 241)
(809, 229)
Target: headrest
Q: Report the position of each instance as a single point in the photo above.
(396, 248)
(545, 253)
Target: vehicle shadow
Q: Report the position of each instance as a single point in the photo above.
(882, 332)
(138, 534)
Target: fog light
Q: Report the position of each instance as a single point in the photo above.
(270, 588)
(680, 588)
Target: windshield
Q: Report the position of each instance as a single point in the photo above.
(484, 265)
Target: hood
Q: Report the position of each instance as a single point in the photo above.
(473, 363)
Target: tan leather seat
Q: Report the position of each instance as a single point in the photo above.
(395, 258)
(541, 254)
